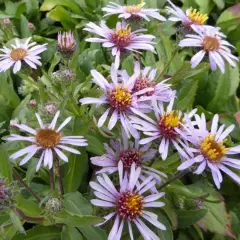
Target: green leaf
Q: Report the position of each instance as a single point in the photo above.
(5, 165)
(189, 217)
(29, 207)
(70, 233)
(78, 166)
(78, 220)
(50, 4)
(40, 233)
(60, 14)
(186, 95)
(223, 86)
(217, 219)
(167, 234)
(25, 32)
(93, 233)
(76, 203)
(16, 221)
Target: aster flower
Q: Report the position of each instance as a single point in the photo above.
(210, 42)
(163, 128)
(66, 42)
(146, 79)
(48, 140)
(192, 16)
(119, 100)
(208, 150)
(21, 52)
(128, 204)
(121, 39)
(132, 12)
(127, 152)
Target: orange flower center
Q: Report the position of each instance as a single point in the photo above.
(210, 43)
(47, 138)
(18, 54)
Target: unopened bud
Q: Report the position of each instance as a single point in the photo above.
(32, 103)
(50, 108)
(54, 205)
(65, 76)
(31, 26)
(66, 43)
(6, 22)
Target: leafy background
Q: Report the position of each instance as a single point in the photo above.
(194, 208)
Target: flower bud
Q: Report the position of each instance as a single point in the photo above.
(6, 22)
(31, 26)
(66, 43)
(65, 76)
(32, 103)
(54, 205)
(50, 108)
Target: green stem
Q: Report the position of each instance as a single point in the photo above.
(169, 62)
(173, 179)
(60, 178)
(18, 177)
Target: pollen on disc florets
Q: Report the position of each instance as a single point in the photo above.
(168, 123)
(128, 157)
(47, 138)
(212, 150)
(133, 9)
(120, 98)
(122, 37)
(196, 17)
(210, 43)
(143, 83)
(18, 54)
(130, 205)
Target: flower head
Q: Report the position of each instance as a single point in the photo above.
(48, 140)
(208, 149)
(121, 39)
(66, 43)
(163, 128)
(192, 16)
(129, 203)
(135, 12)
(146, 79)
(119, 100)
(128, 152)
(210, 42)
(21, 52)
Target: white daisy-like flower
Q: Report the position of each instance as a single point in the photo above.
(128, 204)
(21, 52)
(48, 141)
(146, 79)
(121, 39)
(210, 42)
(192, 16)
(135, 12)
(128, 152)
(163, 128)
(207, 149)
(119, 100)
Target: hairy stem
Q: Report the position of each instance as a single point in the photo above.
(52, 180)
(18, 177)
(60, 178)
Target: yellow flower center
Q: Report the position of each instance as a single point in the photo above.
(130, 205)
(123, 32)
(210, 43)
(212, 150)
(120, 98)
(133, 9)
(196, 17)
(18, 54)
(168, 123)
(47, 138)
(122, 37)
